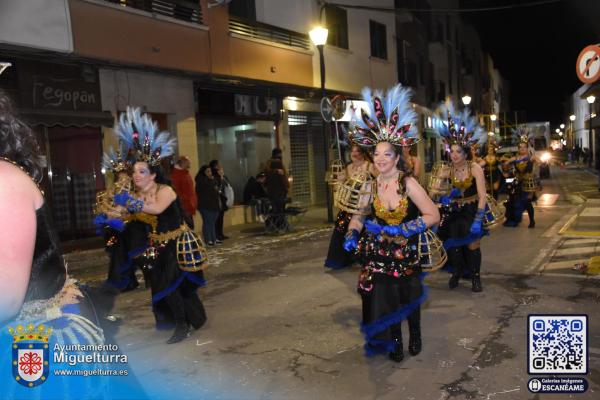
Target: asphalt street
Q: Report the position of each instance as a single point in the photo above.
(280, 326)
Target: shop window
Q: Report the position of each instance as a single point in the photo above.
(241, 146)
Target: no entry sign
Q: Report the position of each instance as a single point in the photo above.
(588, 64)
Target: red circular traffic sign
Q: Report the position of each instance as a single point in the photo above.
(588, 64)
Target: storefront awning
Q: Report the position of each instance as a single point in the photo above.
(67, 118)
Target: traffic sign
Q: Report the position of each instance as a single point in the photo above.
(588, 64)
(326, 109)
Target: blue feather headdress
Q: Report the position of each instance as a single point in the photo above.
(140, 137)
(521, 135)
(468, 133)
(390, 118)
(115, 162)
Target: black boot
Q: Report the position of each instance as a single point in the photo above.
(177, 306)
(474, 259)
(182, 331)
(531, 214)
(398, 354)
(414, 328)
(456, 259)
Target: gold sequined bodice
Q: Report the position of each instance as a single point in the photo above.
(465, 183)
(521, 166)
(391, 217)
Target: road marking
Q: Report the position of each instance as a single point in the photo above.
(570, 241)
(576, 251)
(580, 234)
(575, 276)
(590, 212)
(565, 264)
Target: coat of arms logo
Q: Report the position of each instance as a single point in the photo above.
(30, 354)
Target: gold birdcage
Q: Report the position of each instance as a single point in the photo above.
(191, 253)
(530, 183)
(439, 180)
(335, 173)
(432, 254)
(355, 194)
(494, 213)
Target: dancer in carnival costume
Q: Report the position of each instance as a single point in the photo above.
(176, 257)
(361, 164)
(526, 184)
(38, 300)
(463, 209)
(491, 168)
(397, 214)
(125, 239)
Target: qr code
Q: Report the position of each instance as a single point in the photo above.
(557, 344)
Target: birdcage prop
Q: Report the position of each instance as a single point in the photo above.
(355, 194)
(439, 180)
(432, 254)
(191, 253)
(530, 183)
(336, 173)
(494, 213)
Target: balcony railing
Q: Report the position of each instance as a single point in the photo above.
(258, 30)
(188, 11)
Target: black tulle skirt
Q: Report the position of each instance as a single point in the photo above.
(174, 292)
(337, 257)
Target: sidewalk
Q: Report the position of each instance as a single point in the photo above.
(582, 181)
(89, 253)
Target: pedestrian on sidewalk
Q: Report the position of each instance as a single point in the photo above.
(225, 196)
(209, 203)
(277, 185)
(390, 281)
(184, 187)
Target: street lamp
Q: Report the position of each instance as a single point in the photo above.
(493, 117)
(318, 36)
(590, 99)
(466, 99)
(557, 130)
(571, 135)
(562, 126)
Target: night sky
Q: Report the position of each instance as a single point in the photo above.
(536, 49)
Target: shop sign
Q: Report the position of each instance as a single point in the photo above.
(256, 106)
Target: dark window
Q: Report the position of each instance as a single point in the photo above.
(378, 40)
(243, 8)
(448, 28)
(337, 23)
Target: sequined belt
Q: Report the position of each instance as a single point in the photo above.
(466, 200)
(164, 237)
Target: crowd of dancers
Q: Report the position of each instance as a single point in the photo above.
(388, 223)
(391, 225)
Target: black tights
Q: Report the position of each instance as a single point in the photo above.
(530, 211)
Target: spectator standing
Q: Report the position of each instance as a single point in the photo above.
(209, 204)
(225, 196)
(277, 185)
(184, 187)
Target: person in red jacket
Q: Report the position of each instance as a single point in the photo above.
(184, 187)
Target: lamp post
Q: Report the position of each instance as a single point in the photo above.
(590, 99)
(571, 136)
(318, 36)
(466, 99)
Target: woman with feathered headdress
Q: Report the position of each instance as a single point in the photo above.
(174, 261)
(400, 211)
(522, 191)
(463, 209)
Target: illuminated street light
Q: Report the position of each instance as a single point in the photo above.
(560, 133)
(572, 117)
(591, 99)
(557, 130)
(493, 117)
(318, 35)
(562, 126)
(466, 99)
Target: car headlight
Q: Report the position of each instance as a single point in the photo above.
(545, 157)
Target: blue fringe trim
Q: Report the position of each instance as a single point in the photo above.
(170, 289)
(334, 265)
(376, 346)
(463, 241)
